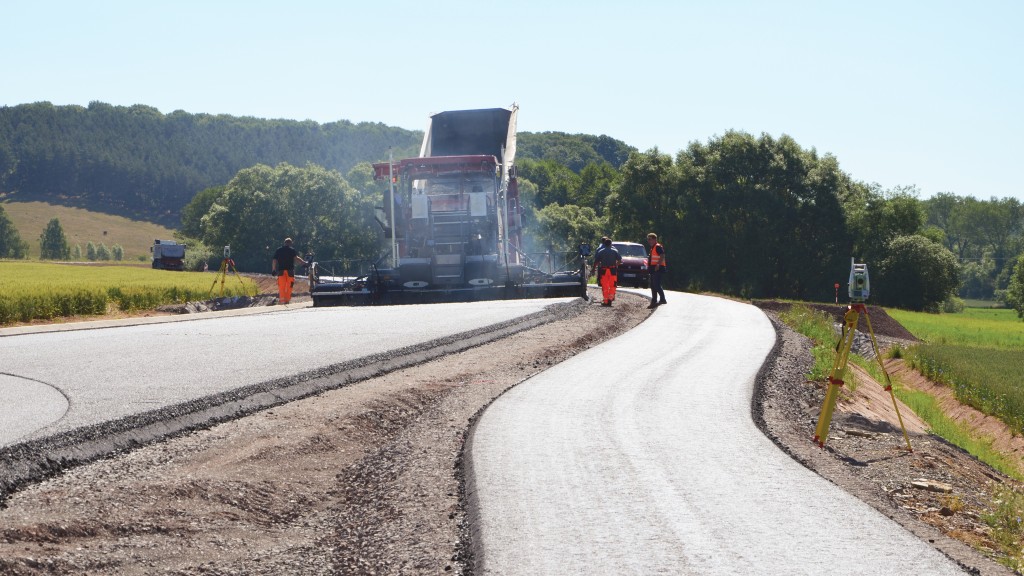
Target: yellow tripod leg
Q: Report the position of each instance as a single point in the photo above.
(835, 379)
(825, 418)
(888, 382)
(221, 273)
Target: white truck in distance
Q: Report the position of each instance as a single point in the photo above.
(168, 255)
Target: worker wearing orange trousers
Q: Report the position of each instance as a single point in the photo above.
(607, 260)
(285, 282)
(608, 280)
(283, 266)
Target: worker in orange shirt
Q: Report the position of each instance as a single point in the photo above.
(607, 260)
(283, 266)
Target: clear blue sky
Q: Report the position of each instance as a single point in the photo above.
(922, 93)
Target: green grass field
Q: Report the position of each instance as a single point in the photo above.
(974, 327)
(970, 303)
(82, 226)
(978, 352)
(980, 355)
(45, 290)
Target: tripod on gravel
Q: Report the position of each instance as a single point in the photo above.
(225, 264)
(859, 290)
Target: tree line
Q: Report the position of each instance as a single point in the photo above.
(757, 217)
(761, 217)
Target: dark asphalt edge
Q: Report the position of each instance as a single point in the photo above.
(36, 460)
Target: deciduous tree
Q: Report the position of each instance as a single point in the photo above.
(193, 212)
(760, 217)
(53, 244)
(916, 274)
(597, 180)
(876, 217)
(312, 205)
(1015, 290)
(563, 228)
(556, 183)
(11, 244)
(643, 200)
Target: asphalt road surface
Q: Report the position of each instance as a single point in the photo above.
(56, 381)
(640, 456)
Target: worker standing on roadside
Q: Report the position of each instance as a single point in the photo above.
(283, 266)
(607, 260)
(656, 266)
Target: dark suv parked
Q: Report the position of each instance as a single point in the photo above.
(633, 270)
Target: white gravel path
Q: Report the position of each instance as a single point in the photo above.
(640, 457)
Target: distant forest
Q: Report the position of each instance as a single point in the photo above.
(137, 162)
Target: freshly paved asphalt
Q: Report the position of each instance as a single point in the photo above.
(640, 456)
(55, 379)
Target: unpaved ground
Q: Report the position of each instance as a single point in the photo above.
(366, 479)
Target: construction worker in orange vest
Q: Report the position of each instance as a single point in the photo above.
(656, 266)
(607, 260)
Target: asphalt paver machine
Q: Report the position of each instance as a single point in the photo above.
(452, 224)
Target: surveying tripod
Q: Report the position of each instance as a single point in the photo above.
(225, 264)
(835, 381)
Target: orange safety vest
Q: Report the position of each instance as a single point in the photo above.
(657, 260)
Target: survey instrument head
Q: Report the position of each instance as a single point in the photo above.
(860, 284)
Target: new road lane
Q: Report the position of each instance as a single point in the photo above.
(57, 381)
(640, 456)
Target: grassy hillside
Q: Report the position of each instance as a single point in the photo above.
(82, 226)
